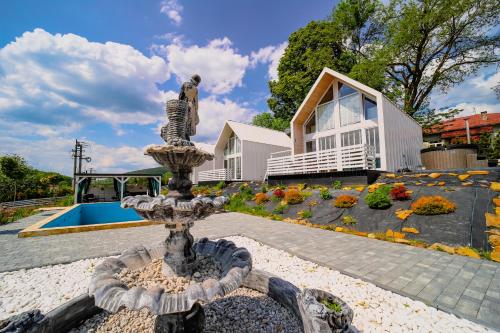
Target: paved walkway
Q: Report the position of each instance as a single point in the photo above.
(465, 286)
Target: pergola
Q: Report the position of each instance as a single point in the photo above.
(121, 178)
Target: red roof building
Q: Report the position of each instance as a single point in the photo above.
(454, 131)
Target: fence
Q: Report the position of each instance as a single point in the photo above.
(337, 159)
(214, 175)
(30, 202)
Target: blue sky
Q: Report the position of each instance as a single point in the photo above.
(101, 71)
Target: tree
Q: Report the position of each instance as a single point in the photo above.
(427, 45)
(14, 167)
(268, 120)
(309, 50)
(434, 118)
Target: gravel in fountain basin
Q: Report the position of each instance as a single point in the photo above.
(151, 275)
(375, 309)
(243, 310)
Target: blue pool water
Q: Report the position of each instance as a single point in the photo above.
(94, 213)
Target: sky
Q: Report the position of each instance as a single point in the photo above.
(101, 71)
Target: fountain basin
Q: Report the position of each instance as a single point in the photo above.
(112, 295)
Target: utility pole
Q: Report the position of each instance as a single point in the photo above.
(77, 154)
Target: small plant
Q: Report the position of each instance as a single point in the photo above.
(293, 197)
(280, 209)
(400, 193)
(164, 191)
(260, 198)
(337, 185)
(305, 214)
(279, 193)
(433, 205)
(312, 203)
(349, 220)
(246, 189)
(301, 186)
(332, 306)
(324, 193)
(378, 200)
(220, 185)
(345, 201)
(306, 194)
(263, 189)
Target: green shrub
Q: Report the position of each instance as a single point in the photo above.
(349, 220)
(263, 189)
(246, 189)
(220, 185)
(378, 200)
(280, 209)
(305, 214)
(337, 185)
(67, 201)
(332, 306)
(325, 194)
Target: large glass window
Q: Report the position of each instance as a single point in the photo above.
(351, 138)
(345, 90)
(237, 168)
(370, 107)
(310, 146)
(327, 142)
(350, 109)
(325, 116)
(372, 138)
(311, 124)
(233, 146)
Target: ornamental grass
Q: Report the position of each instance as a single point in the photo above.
(433, 205)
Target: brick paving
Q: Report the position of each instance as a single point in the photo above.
(464, 286)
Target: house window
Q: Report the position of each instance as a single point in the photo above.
(325, 116)
(233, 145)
(370, 109)
(237, 168)
(310, 146)
(351, 138)
(345, 90)
(372, 138)
(327, 142)
(311, 124)
(350, 109)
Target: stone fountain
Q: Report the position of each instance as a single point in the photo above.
(182, 311)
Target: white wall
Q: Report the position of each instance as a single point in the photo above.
(254, 159)
(208, 165)
(399, 135)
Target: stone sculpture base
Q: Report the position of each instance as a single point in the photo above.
(192, 321)
(179, 258)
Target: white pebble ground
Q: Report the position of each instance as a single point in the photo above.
(375, 309)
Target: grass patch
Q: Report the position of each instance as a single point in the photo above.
(332, 306)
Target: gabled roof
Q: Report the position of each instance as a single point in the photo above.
(205, 146)
(323, 81)
(252, 133)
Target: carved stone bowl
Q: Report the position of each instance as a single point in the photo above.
(112, 295)
(165, 209)
(178, 157)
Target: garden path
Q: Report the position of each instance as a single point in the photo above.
(464, 286)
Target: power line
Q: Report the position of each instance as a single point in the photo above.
(78, 157)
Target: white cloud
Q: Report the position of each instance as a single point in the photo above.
(474, 95)
(218, 63)
(173, 10)
(54, 154)
(54, 79)
(269, 55)
(213, 114)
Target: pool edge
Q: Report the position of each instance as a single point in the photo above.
(36, 229)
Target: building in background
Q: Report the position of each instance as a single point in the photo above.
(241, 152)
(344, 125)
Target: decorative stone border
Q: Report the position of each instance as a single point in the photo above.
(112, 295)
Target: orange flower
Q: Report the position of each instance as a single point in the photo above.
(293, 196)
(345, 201)
(260, 198)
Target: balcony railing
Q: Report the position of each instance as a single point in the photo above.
(214, 175)
(356, 157)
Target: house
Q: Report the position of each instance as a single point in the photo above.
(343, 125)
(241, 152)
(454, 131)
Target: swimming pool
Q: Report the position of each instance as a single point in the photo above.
(86, 217)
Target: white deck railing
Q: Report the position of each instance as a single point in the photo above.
(213, 175)
(337, 159)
